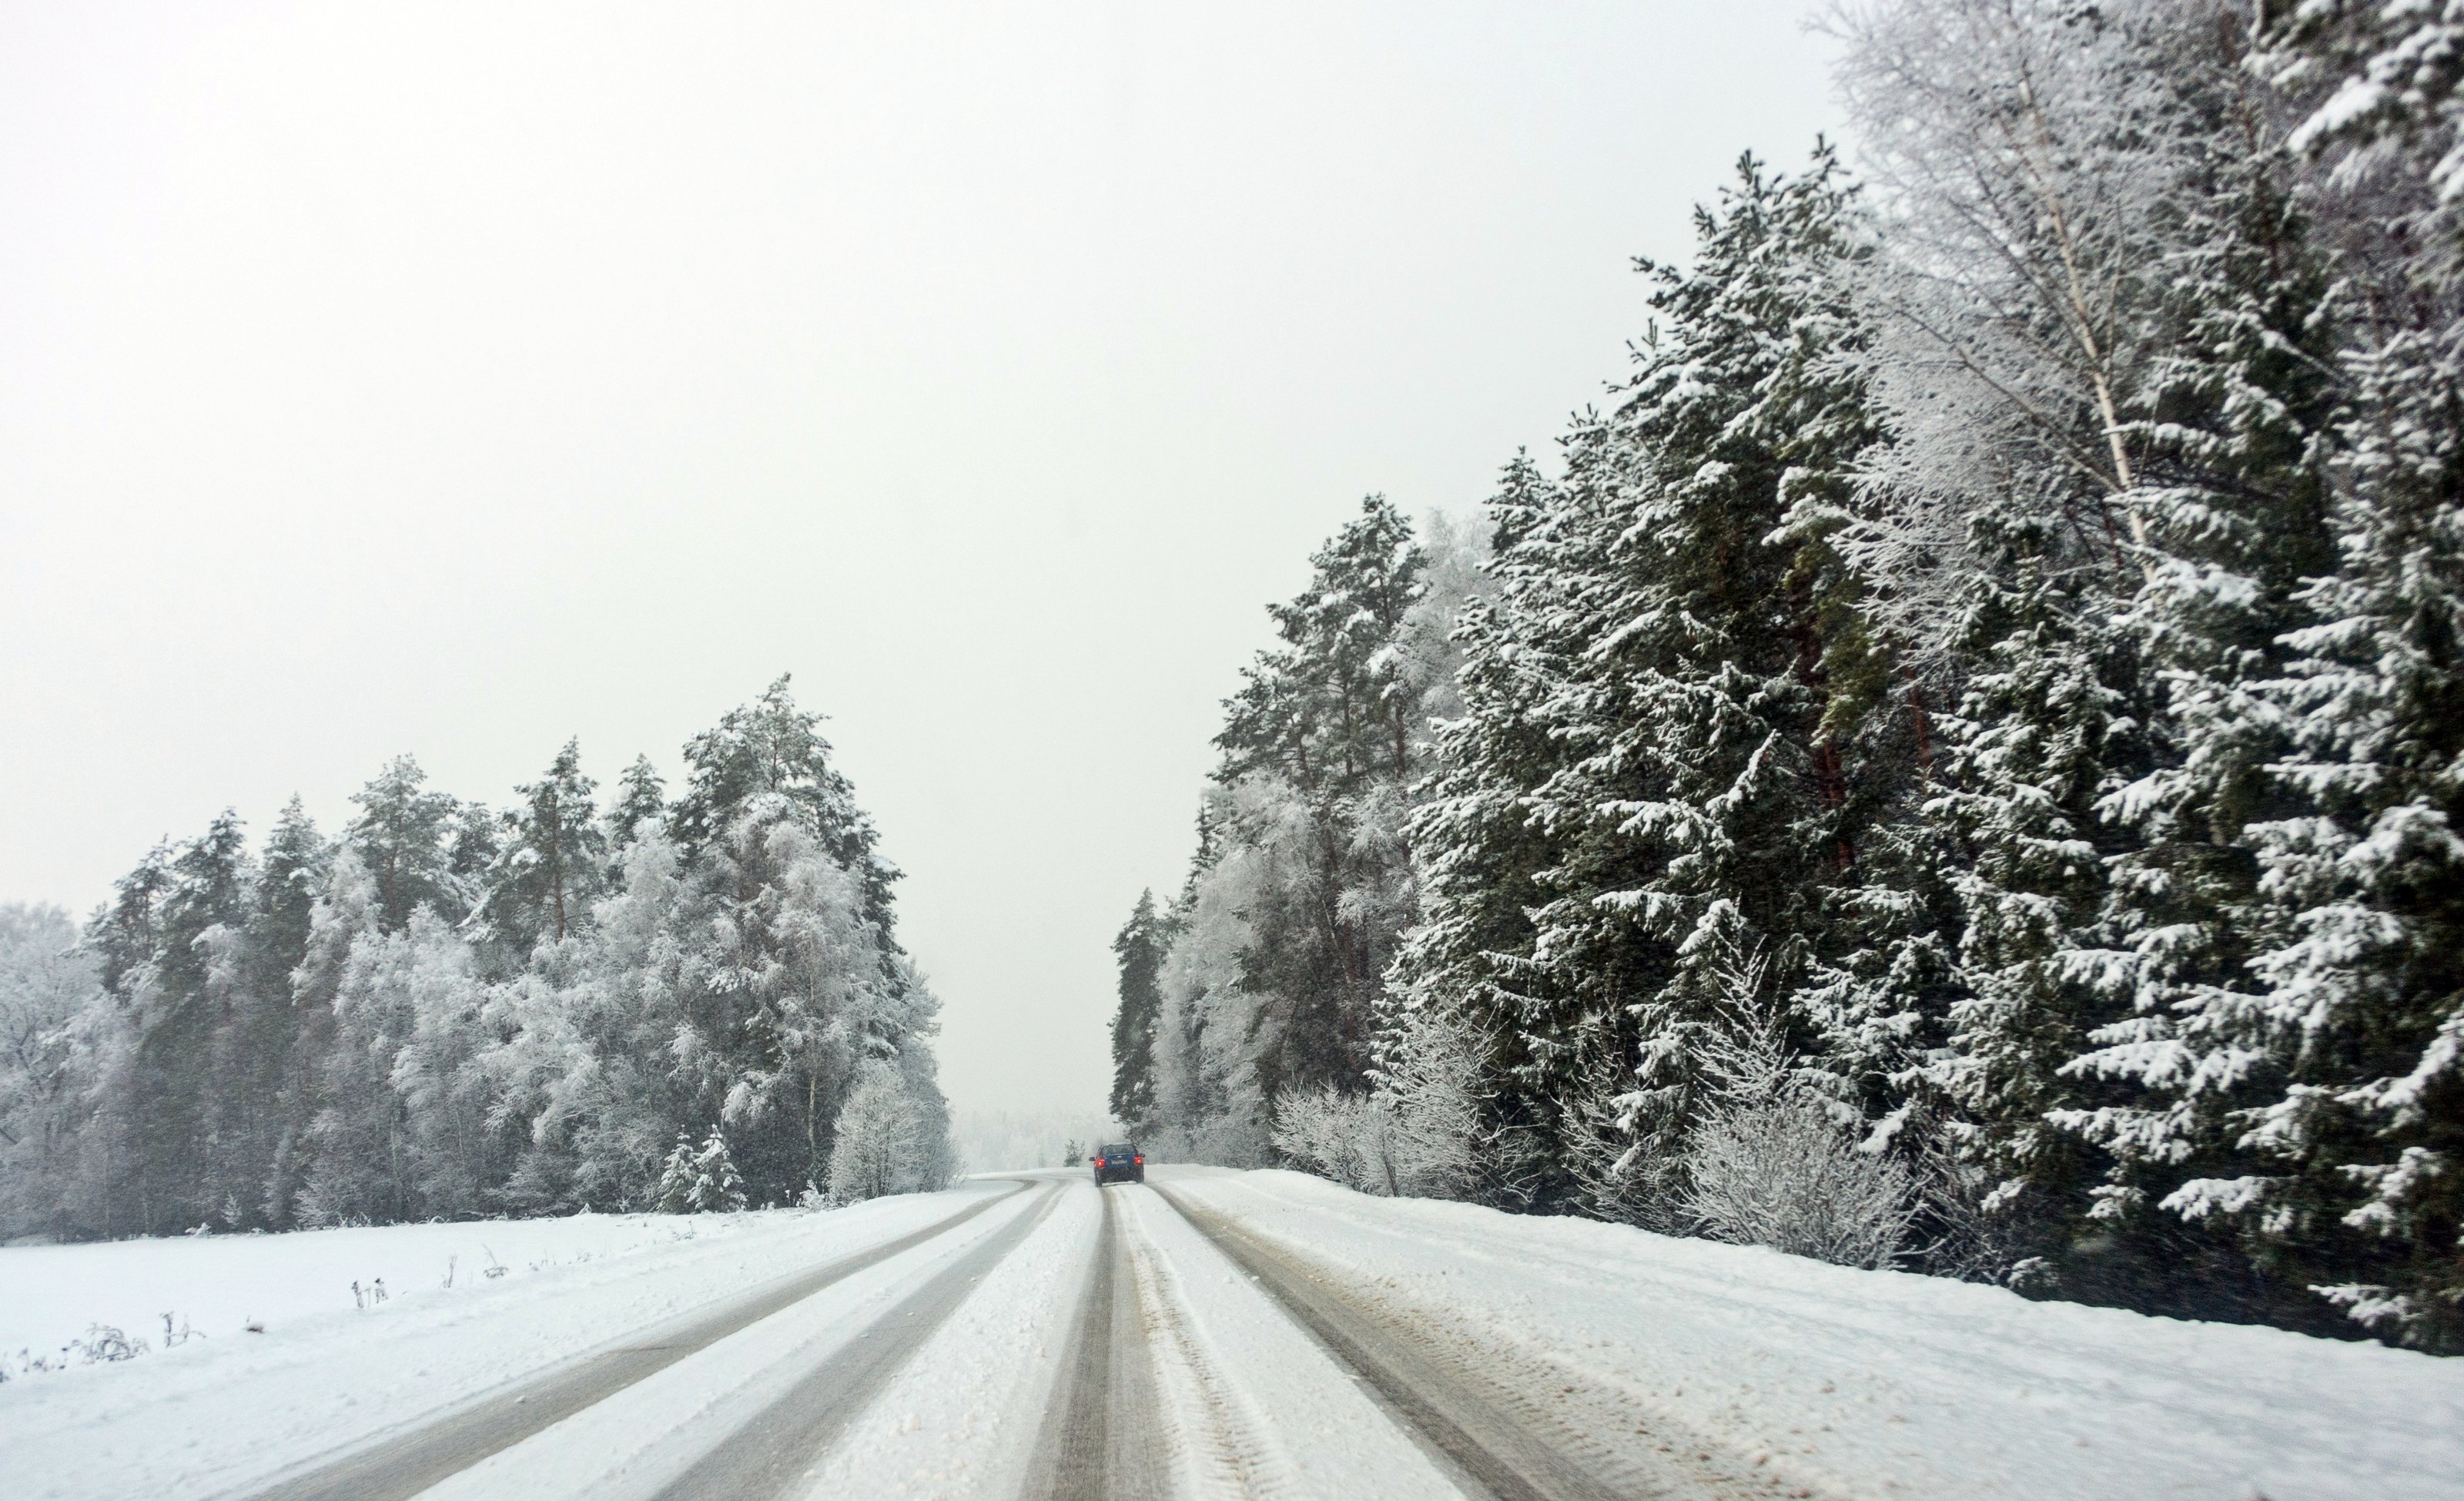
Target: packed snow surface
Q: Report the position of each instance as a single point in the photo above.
(1831, 1383)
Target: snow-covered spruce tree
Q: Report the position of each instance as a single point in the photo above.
(1304, 877)
(1138, 949)
(2025, 756)
(170, 948)
(2355, 1053)
(700, 1179)
(2331, 1080)
(261, 1059)
(2384, 86)
(2226, 426)
(1677, 734)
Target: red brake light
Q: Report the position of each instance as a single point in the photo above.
(1099, 1162)
(1139, 1160)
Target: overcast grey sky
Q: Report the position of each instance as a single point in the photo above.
(455, 379)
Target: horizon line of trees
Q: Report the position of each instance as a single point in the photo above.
(1960, 767)
(449, 1010)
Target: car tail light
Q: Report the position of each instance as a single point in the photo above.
(1139, 1160)
(1099, 1162)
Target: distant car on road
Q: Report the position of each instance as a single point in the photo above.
(1120, 1163)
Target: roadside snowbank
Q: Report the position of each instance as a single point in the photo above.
(1865, 1383)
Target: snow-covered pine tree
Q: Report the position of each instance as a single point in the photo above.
(401, 838)
(640, 805)
(549, 869)
(674, 1192)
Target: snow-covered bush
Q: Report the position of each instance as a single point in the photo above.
(1767, 1165)
(1331, 1133)
(1413, 1133)
(1778, 1173)
(880, 1146)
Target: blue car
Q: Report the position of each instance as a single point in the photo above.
(1120, 1163)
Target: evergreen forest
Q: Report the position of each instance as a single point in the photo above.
(1957, 764)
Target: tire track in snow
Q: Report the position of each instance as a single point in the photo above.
(1217, 1436)
(1099, 1443)
(775, 1452)
(1071, 1456)
(1253, 1405)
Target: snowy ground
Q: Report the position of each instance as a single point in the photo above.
(219, 1284)
(1253, 1333)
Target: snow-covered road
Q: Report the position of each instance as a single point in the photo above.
(1213, 1333)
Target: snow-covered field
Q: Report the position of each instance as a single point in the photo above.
(1798, 1377)
(218, 1285)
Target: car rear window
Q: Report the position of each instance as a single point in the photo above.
(1118, 1148)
